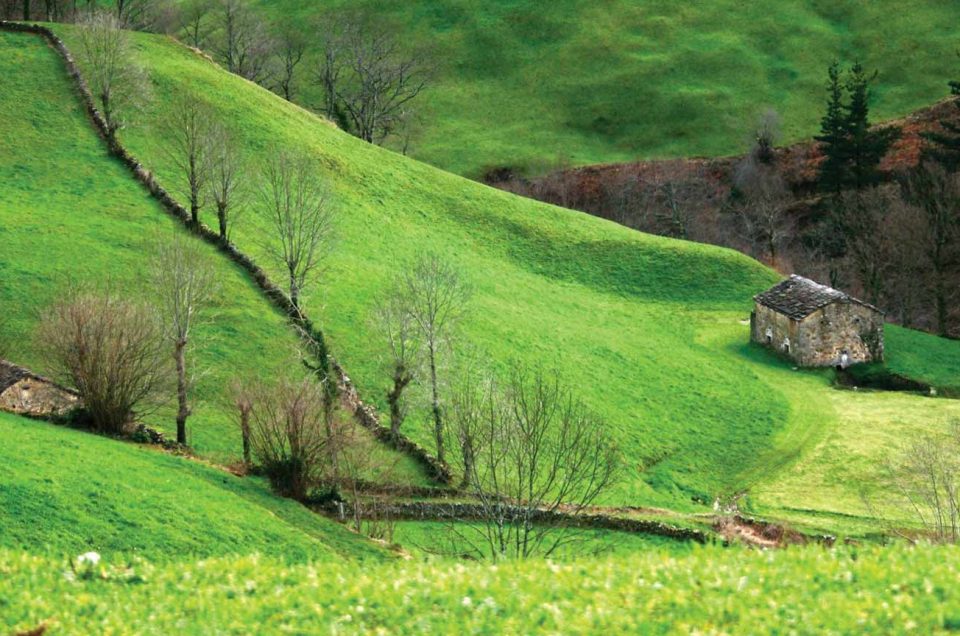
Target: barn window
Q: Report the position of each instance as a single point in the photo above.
(769, 335)
(786, 345)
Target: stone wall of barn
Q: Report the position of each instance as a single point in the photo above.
(843, 327)
(774, 331)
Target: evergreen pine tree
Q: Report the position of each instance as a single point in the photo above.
(863, 149)
(832, 135)
(944, 147)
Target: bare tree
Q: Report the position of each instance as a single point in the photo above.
(226, 180)
(290, 47)
(192, 137)
(763, 212)
(937, 195)
(394, 321)
(288, 436)
(437, 297)
(195, 18)
(243, 401)
(116, 82)
(539, 456)
(922, 488)
(111, 351)
(677, 198)
(184, 280)
(765, 135)
(244, 45)
(296, 200)
(369, 78)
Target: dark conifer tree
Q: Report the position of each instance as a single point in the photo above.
(863, 148)
(944, 145)
(832, 135)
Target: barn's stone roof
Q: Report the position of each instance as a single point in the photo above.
(798, 297)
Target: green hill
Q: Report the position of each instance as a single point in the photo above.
(70, 214)
(596, 82)
(651, 331)
(65, 492)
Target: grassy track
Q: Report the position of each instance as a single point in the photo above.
(707, 591)
(63, 492)
(593, 82)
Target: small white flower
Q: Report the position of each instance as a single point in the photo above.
(90, 559)
(466, 602)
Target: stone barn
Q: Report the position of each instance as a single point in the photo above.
(815, 325)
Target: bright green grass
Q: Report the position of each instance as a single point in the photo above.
(707, 591)
(935, 361)
(63, 492)
(523, 85)
(435, 538)
(70, 214)
(651, 331)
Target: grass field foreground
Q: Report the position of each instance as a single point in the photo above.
(708, 591)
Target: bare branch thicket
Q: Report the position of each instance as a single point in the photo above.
(244, 46)
(766, 135)
(185, 283)
(921, 488)
(361, 460)
(537, 451)
(680, 201)
(369, 79)
(111, 350)
(196, 17)
(936, 195)
(287, 433)
(763, 211)
(118, 85)
(393, 320)
(191, 132)
(296, 200)
(874, 240)
(226, 183)
(437, 298)
(289, 49)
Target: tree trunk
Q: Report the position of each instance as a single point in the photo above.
(245, 432)
(26, 10)
(437, 417)
(468, 462)
(183, 410)
(294, 291)
(222, 220)
(394, 397)
(942, 308)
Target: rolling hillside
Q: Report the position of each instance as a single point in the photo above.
(65, 492)
(650, 330)
(620, 80)
(70, 215)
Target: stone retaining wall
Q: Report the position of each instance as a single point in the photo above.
(433, 511)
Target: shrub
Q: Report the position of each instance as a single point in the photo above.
(289, 434)
(110, 349)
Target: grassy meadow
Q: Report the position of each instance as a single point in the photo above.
(66, 492)
(651, 331)
(706, 591)
(619, 80)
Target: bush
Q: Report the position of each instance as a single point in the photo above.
(110, 349)
(291, 437)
